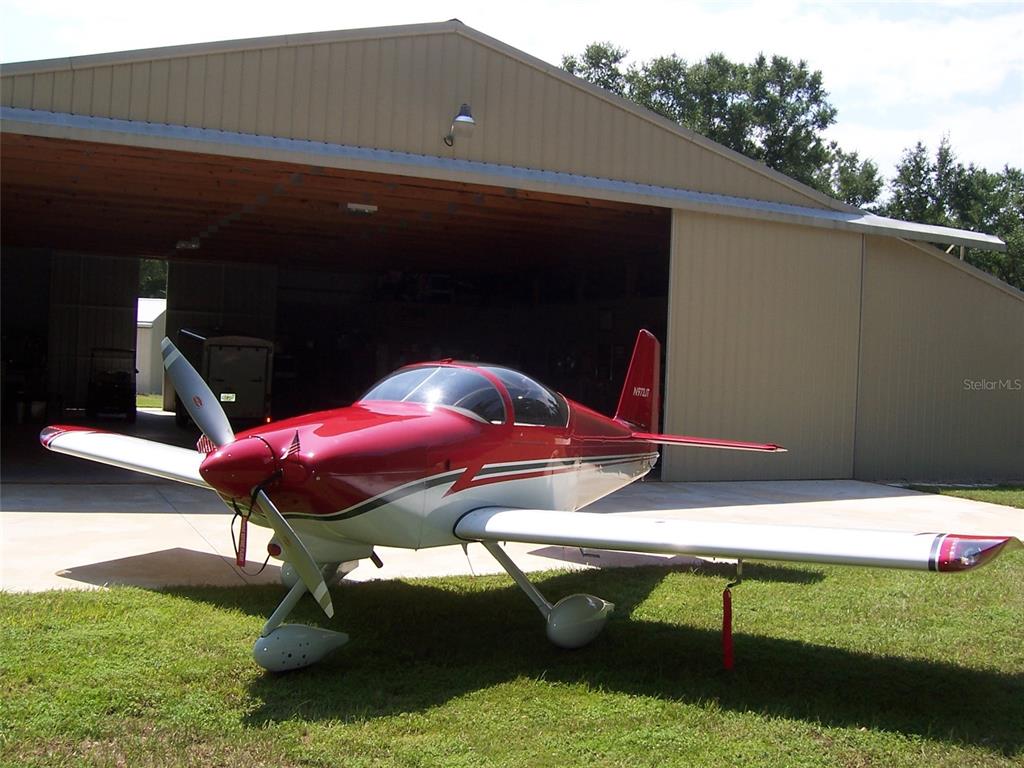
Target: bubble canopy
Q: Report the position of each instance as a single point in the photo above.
(468, 390)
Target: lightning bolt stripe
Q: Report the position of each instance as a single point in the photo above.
(388, 497)
(493, 473)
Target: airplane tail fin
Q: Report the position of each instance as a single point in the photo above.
(639, 403)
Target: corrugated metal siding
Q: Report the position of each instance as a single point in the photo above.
(762, 345)
(930, 330)
(238, 299)
(399, 93)
(92, 304)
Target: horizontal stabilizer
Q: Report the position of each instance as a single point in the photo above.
(146, 456)
(707, 442)
(629, 533)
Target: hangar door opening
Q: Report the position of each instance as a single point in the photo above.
(352, 273)
(555, 287)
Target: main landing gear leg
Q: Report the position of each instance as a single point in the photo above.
(573, 621)
(281, 647)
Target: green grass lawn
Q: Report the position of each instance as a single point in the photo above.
(835, 666)
(149, 401)
(1007, 495)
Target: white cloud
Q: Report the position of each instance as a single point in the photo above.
(989, 137)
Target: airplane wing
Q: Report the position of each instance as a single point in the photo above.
(883, 549)
(146, 456)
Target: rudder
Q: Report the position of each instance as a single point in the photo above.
(639, 403)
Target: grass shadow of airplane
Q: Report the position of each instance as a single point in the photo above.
(434, 644)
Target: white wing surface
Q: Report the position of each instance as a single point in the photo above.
(146, 456)
(883, 549)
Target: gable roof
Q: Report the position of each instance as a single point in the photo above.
(552, 120)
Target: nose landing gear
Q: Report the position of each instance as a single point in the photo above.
(281, 647)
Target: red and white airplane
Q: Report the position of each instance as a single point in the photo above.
(448, 452)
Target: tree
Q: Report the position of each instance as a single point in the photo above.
(790, 110)
(152, 278)
(849, 178)
(913, 194)
(772, 110)
(710, 97)
(1008, 197)
(599, 64)
(947, 193)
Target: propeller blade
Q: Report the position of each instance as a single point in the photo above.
(297, 554)
(198, 398)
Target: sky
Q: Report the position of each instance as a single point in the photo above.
(897, 72)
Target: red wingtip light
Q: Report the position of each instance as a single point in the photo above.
(961, 553)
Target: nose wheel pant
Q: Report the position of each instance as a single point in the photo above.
(281, 647)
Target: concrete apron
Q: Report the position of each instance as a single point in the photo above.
(152, 535)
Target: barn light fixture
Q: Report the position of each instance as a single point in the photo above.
(362, 208)
(462, 124)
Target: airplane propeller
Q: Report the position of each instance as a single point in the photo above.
(297, 554)
(209, 416)
(196, 396)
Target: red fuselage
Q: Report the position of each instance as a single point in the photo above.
(342, 464)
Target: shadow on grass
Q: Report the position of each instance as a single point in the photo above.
(695, 565)
(416, 646)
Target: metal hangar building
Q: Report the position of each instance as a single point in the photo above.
(301, 189)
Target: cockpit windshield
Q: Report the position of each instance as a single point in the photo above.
(457, 388)
(464, 389)
(533, 403)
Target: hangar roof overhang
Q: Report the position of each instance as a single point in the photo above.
(366, 160)
(117, 199)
